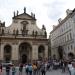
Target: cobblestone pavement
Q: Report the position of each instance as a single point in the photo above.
(53, 72)
(56, 72)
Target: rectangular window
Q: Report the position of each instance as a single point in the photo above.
(68, 48)
(71, 47)
(67, 37)
(70, 36)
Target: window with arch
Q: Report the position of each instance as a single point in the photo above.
(24, 28)
(41, 52)
(41, 49)
(7, 53)
(7, 49)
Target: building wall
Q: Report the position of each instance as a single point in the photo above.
(15, 49)
(63, 36)
(7, 38)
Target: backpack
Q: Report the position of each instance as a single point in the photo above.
(13, 69)
(30, 68)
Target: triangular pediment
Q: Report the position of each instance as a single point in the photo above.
(24, 16)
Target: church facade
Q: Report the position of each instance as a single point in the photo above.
(23, 41)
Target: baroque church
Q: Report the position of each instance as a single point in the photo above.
(22, 41)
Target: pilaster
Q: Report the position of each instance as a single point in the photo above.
(35, 52)
(15, 52)
(2, 52)
(46, 51)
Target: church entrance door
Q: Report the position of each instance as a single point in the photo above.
(25, 52)
(24, 58)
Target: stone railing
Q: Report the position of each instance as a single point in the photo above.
(22, 36)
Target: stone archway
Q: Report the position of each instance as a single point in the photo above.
(70, 55)
(25, 52)
(41, 51)
(7, 53)
(60, 52)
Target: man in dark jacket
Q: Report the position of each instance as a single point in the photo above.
(43, 69)
(7, 70)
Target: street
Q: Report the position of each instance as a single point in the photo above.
(52, 72)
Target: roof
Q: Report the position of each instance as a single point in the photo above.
(24, 16)
(66, 18)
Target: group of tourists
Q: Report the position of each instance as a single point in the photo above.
(41, 67)
(36, 68)
(8, 68)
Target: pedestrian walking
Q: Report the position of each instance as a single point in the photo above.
(20, 69)
(43, 69)
(70, 67)
(0, 69)
(26, 69)
(30, 69)
(13, 70)
(34, 69)
(7, 69)
(38, 67)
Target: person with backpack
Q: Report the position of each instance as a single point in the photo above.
(30, 69)
(13, 70)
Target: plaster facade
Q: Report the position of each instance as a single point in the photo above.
(63, 35)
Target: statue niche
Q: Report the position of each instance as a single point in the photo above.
(24, 28)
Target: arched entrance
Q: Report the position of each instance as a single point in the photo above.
(7, 53)
(60, 52)
(25, 52)
(70, 55)
(41, 53)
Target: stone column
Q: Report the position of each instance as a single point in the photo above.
(15, 53)
(35, 52)
(46, 51)
(2, 53)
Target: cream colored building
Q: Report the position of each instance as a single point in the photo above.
(63, 36)
(23, 41)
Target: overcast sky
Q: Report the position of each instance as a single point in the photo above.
(47, 12)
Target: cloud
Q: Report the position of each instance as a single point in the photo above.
(47, 11)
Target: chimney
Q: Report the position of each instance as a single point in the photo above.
(68, 11)
(54, 26)
(59, 20)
